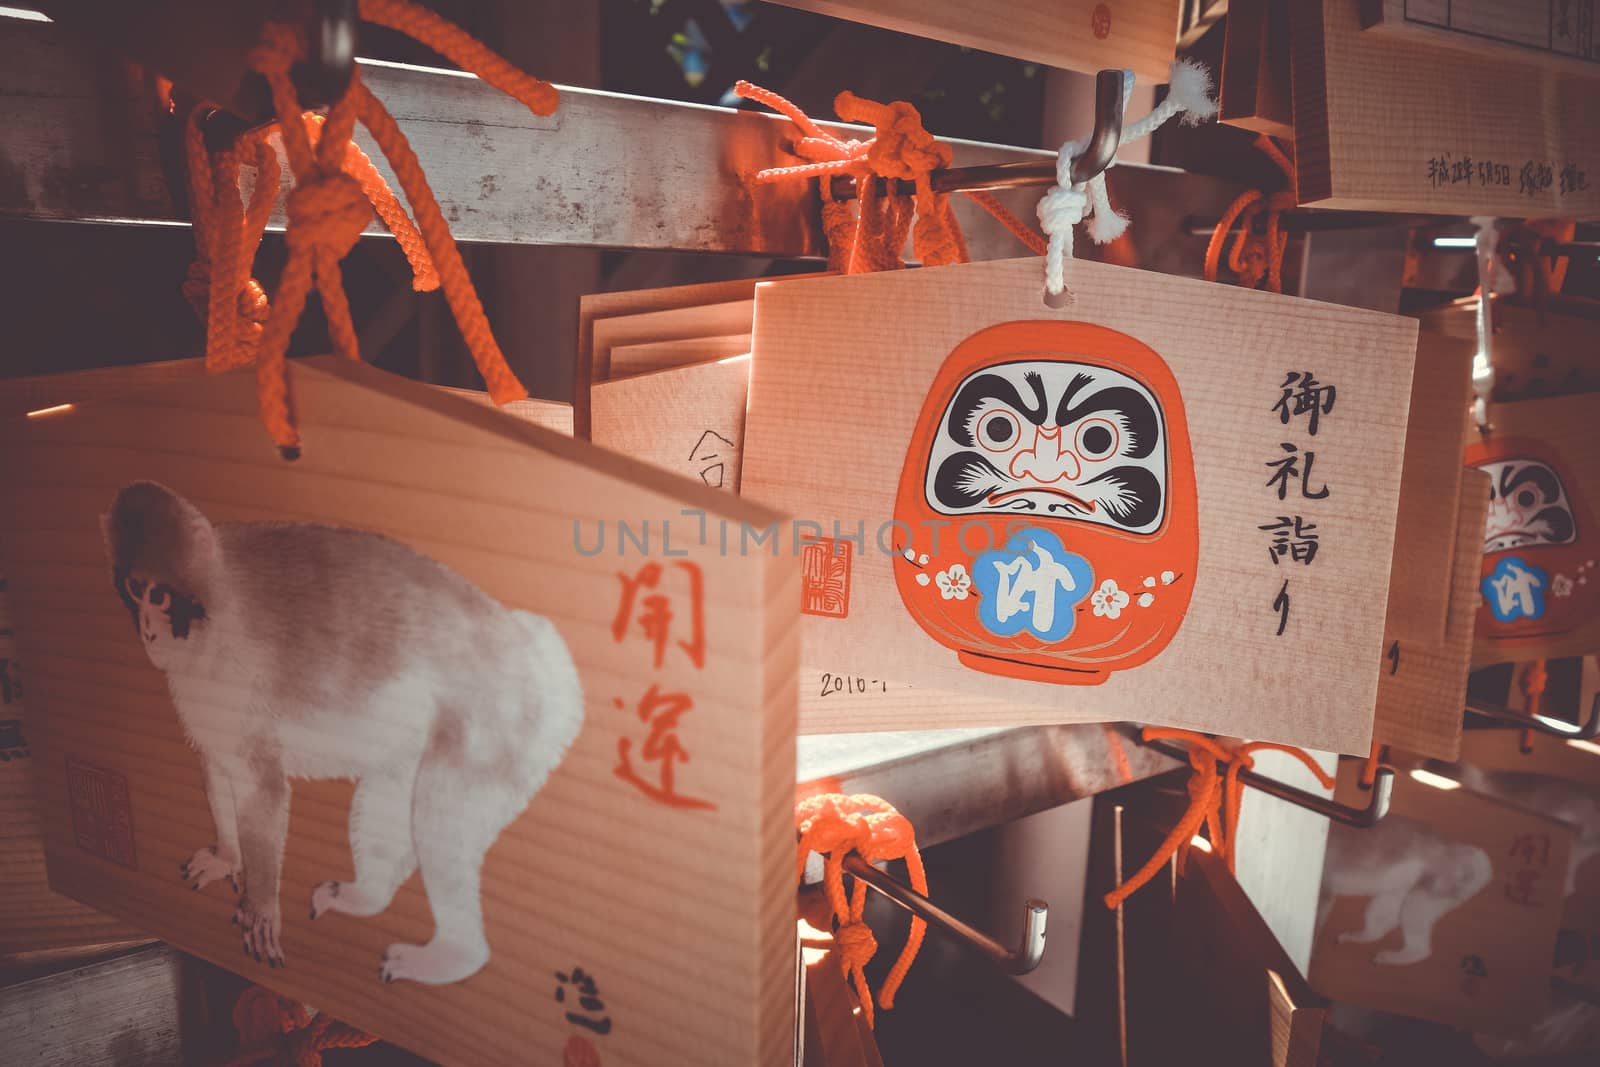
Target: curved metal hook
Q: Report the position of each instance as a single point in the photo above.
(1019, 961)
(1544, 724)
(1360, 818)
(1107, 136)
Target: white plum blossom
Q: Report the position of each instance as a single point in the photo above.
(1561, 585)
(1146, 599)
(1108, 600)
(955, 583)
(1167, 577)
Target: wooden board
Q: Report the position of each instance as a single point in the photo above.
(1430, 490)
(628, 360)
(1086, 35)
(591, 874)
(124, 1010)
(1535, 353)
(551, 414)
(1391, 125)
(1541, 581)
(1561, 35)
(1245, 1000)
(1255, 91)
(1463, 894)
(1422, 684)
(599, 306)
(826, 439)
(685, 419)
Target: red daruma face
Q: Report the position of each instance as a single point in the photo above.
(1048, 502)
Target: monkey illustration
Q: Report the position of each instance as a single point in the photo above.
(295, 650)
(1413, 875)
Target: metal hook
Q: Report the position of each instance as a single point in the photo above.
(1361, 818)
(1019, 961)
(1109, 87)
(332, 48)
(1544, 724)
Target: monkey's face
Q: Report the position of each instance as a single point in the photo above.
(163, 553)
(168, 620)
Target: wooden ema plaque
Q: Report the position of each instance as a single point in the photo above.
(394, 686)
(1254, 86)
(1387, 122)
(1541, 546)
(1422, 681)
(1560, 35)
(1083, 35)
(1080, 515)
(1446, 910)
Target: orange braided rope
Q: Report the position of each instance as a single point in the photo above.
(1214, 801)
(1533, 679)
(279, 1031)
(334, 184)
(871, 237)
(836, 825)
(1369, 772)
(1254, 257)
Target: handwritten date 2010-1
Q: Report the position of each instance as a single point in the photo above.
(851, 683)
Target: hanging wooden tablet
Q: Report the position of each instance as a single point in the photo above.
(1422, 683)
(1390, 124)
(1535, 352)
(1558, 35)
(1254, 91)
(1084, 512)
(1541, 583)
(567, 741)
(1558, 778)
(1084, 35)
(1446, 910)
(686, 419)
(1243, 1000)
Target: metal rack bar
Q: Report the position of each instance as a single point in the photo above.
(605, 170)
(1020, 960)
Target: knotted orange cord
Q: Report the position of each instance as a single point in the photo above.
(1369, 771)
(1214, 800)
(327, 211)
(836, 825)
(277, 1030)
(1253, 256)
(1533, 679)
(872, 236)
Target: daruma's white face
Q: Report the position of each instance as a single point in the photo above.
(1527, 506)
(1053, 440)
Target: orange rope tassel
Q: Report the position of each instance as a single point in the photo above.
(871, 237)
(276, 1030)
(1254, 257)
(1369, 772)
(836, 825)
(336, 189)
(1533, 680)
(1214, 801)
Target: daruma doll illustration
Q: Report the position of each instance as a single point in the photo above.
(1539, 543)
(1048, 504)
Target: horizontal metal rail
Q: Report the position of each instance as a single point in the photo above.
(80, 142)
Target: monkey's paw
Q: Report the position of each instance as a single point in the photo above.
(209, 864)
(260, 929)
(436, 963)
(1399, 957)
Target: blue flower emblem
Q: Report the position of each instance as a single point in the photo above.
(1033, 583)
(1515, 589)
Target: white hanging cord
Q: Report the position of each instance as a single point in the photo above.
(1483, 358)
(1070, 203)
